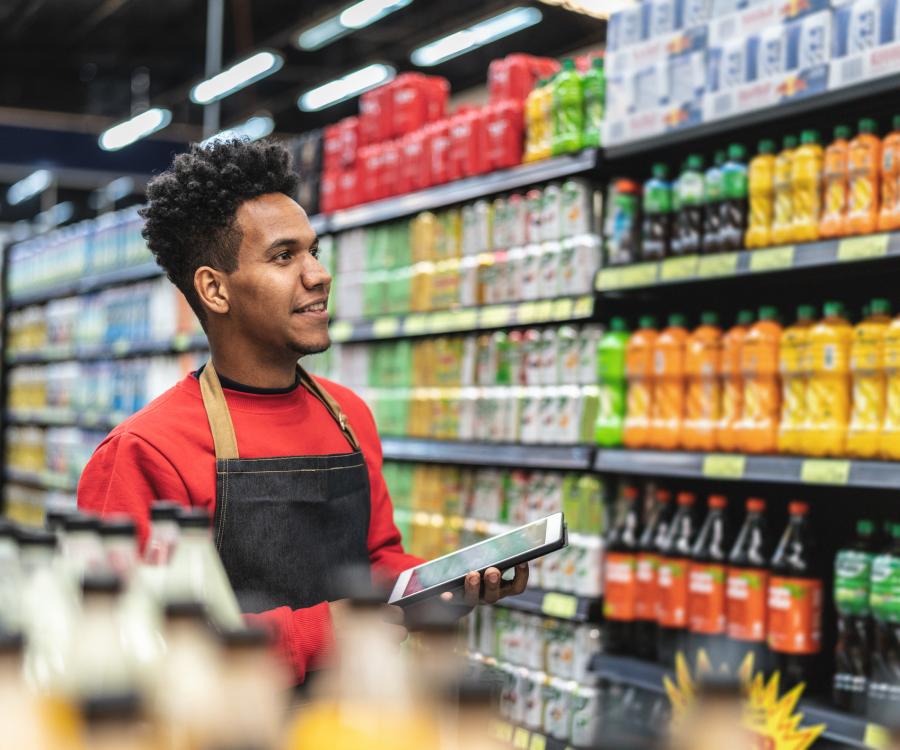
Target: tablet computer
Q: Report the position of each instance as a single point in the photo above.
(503, 551)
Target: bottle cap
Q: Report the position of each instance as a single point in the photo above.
(865, 527)
(81, 522)
(54, 517)
(766, 146)
(677, 320)
(624, 185)
(717, 501)
(105, 582)
(798, 508)
(568, 64)
(630, 492)
(895, 531)
(834, 309)
(868, 125)
(245, 638)
(647, 321)
(36, 538)
(767, 312)
(164, 510)
(745, 317)
(755, 505)
(789, 141)
(185, 609)
(192, 518)
(809, 136)
(880, 306)
(660, 171)
(709, 318)
(719, 158)
(737, 152)
(111, 707)
(11, 642)
(663, 495)
(843, 132)
(806, 312)
(118, 526)
(597, 63)
(695, 162)
(686, 498)
(618, 324)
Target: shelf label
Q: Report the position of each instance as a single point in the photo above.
(495, 316)
(543, 310)
(440, 322)
(520, 738)
(877, 737)
(720, 264)
(724, 466)
(674, 269)
(526, 312)
(538, 742)
(385, 328)
(584, 307)
(465, 320)
(341, 330)
(559, 605)
(181, 342)
(825, 471)
(503, 731)
(120, 347)
(639, 274)
(415, 325)
(862, 248)
(562, 309)
(772, 259)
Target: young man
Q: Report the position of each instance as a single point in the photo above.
(288, 466)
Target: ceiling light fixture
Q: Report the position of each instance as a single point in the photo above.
(346, 87)
(238, 76)
(140, 126)
(476, 35)
(600, 9)
(357, 16)
(258, 126)
(37, 182)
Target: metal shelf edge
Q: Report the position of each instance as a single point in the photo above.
(577, 457)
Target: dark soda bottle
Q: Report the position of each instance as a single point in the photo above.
(712, 204)
(647, 564)
(852, 571)
(657, 227)
(688, 234)
(733, 222)
(795, 602)
(619, 576)
(747, 588)
(672, 580)
(884, 600)
(706, 583)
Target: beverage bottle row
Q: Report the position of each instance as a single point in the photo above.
(677, 583)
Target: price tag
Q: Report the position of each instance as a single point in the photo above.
(415, 325)
(584, 307)
(504, 732)
(772, 259)
(465, 320)
(562, 309)
(724, 466)
(877, 737)
(538, 742)
(385, 328)
(607, 279)
(520, 738)
(720, 264)
(440, 322)
(863, 248)
(456, 522)
(674, 269)
(181, 342)
(495, 316)
(543, 311)
(120, 347)
(341, 330)
(526, 313)
(642, 274)
(559, 605)
(825, 471)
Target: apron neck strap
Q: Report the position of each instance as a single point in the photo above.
(220, 423)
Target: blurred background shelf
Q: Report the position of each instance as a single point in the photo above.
(575, 457)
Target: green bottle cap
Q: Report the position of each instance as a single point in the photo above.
(868, 125)
(695, 162)
(736, 152)
(809, 136)
(895, 531)
(719, 158)
(660, 171)
(865, 527)
(880, 306)
(618, 324)
(677, 320)
(709, 318)
(766, 146)
(647, 321)
(833, 309)
(568, 64)
(745, 317)
(597, 63)
(806, 312)
(895, 122)
(790, 141)
(843, 132)
(768, 312)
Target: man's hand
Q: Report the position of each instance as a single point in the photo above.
(342, 610)
(494, 588)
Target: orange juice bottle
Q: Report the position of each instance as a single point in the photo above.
(639, 374)
(794, 367)
(889, 442)
(783, 216)
(806, 187)
(667, 421)
(702, 363)
(864, 161)
(868, 374)
(732, 382)
(834, 210)
(889, 216)
(761, 184)
(757, 432)
(828, 394)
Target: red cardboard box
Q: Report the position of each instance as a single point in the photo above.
(504, 132)
(438, 146)
(414, 171)
(468, 155)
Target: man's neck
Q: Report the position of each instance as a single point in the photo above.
(252, 370)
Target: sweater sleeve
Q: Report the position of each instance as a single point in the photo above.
(303, 637)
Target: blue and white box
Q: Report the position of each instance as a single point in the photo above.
(866, 43)
(756, 19)
(627, 27)
(652, 51)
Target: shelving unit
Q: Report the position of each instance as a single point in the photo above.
(575, 458)
(122, 349)
(556, 604)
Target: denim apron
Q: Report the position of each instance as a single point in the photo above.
(285, 526)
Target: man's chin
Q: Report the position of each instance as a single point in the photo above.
(305, 348)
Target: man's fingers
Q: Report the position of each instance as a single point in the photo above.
(398, 633)
(472, 590)
(392, 614)
(491, 586)
(520, 581)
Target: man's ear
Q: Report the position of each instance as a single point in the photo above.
(212, 289)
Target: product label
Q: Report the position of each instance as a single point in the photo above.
(706, 599)
(672, 582)
(852, 569)
(884, 598)
(620, 586)
(645, 598)
(795, 615)
(746, 604)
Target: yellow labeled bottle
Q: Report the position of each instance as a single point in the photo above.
(793, 363)
(867, 371)
(889, 441)
(806, 187)
(761, 183)
(783, 216)
(828, 394)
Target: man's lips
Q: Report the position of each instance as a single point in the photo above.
(314, 307)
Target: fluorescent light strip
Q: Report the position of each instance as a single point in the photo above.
(258, 126)
(357, 16)
(477, 35)
(346, 87)
(37, 182)
(140, 126)
(55, 215)
(236, 77)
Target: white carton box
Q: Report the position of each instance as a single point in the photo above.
(866, 42)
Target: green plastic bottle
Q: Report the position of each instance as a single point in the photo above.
(713, 191)
(594, 102)
(568, 109)
(611, 384)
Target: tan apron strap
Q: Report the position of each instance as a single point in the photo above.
(217, 412)
(329, 403)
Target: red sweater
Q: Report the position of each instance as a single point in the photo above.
(165, 451)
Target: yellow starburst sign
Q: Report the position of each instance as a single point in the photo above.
(770, 719)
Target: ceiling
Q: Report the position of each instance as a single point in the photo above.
(96, 61)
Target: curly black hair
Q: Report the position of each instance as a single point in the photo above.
(191, 207)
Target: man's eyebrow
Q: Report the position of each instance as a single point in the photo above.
(290, 242)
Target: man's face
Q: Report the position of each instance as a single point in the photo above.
(279, 292)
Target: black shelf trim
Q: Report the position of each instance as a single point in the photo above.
(59, 417)
(575, 457)
(119, 350)
(560, 605)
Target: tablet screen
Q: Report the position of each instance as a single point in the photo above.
(477, 557)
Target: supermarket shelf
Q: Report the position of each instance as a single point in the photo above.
(870, 89)
(118, 350)
(845, 729)
(787, 258)
(577, 457)
(522, 176)
(781, 469)
(45, 480)
(562, 606)
(524, 739)
(473, 319)
(117, 277)
(87, 420)
(319, 223)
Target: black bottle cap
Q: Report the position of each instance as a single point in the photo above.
(164, 510)
(185, 609)
(115, 707)
(238, 639)
(193, 518)
(36, 538)
(104, 582)
(118, 526)
(80, 522)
